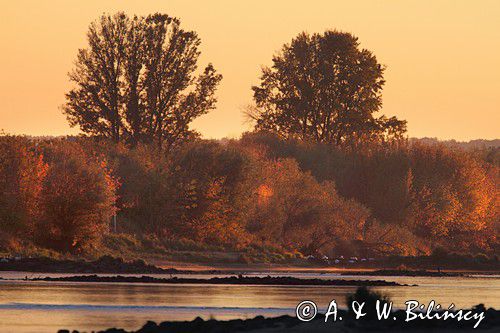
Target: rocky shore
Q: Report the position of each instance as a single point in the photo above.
(237, 280)
(105, 264)
(293, 325)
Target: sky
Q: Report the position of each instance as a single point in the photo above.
(442, 57)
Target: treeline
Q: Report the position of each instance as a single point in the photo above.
(404, 199)
(420, 196)
(322, 172)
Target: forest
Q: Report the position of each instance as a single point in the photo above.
(321, 173)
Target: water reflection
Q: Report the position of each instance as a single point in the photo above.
(40, 307)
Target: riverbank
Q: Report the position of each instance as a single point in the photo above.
(112, 265)
(105, 264)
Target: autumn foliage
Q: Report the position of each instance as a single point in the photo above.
(54, 194)
(322, 172)
(22, 171)
(419, 196)
(404, 199)
(77, 198)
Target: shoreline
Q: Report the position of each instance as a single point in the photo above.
(110, 265)
(232, 280)
(290, 324)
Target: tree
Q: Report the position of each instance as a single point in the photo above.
(441, 194)
(205, 178)
(136, 82)
(289, 207)
(183, 195)
(77, 199)
(22, 171)
(323, 88)
(453, 199)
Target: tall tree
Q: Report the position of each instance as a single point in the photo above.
(324, 88)
(136, 81)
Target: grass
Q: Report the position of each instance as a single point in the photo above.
(131, 247)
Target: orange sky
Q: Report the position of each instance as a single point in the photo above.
(443, 57)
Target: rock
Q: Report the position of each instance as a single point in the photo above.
(237, 280)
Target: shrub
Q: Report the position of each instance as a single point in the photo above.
(370, 298)
(77, 200)
(22, 172)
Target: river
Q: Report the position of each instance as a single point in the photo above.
(39, 307)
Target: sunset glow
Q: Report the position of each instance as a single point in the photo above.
(441, 56)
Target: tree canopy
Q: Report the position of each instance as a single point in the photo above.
(316, 177)
(136, 81)
(324, 88)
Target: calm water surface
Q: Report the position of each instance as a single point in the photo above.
(39, 307)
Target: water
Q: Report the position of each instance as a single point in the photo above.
(40, 307)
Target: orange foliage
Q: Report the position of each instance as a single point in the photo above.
(22, 171)
(78, 198)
